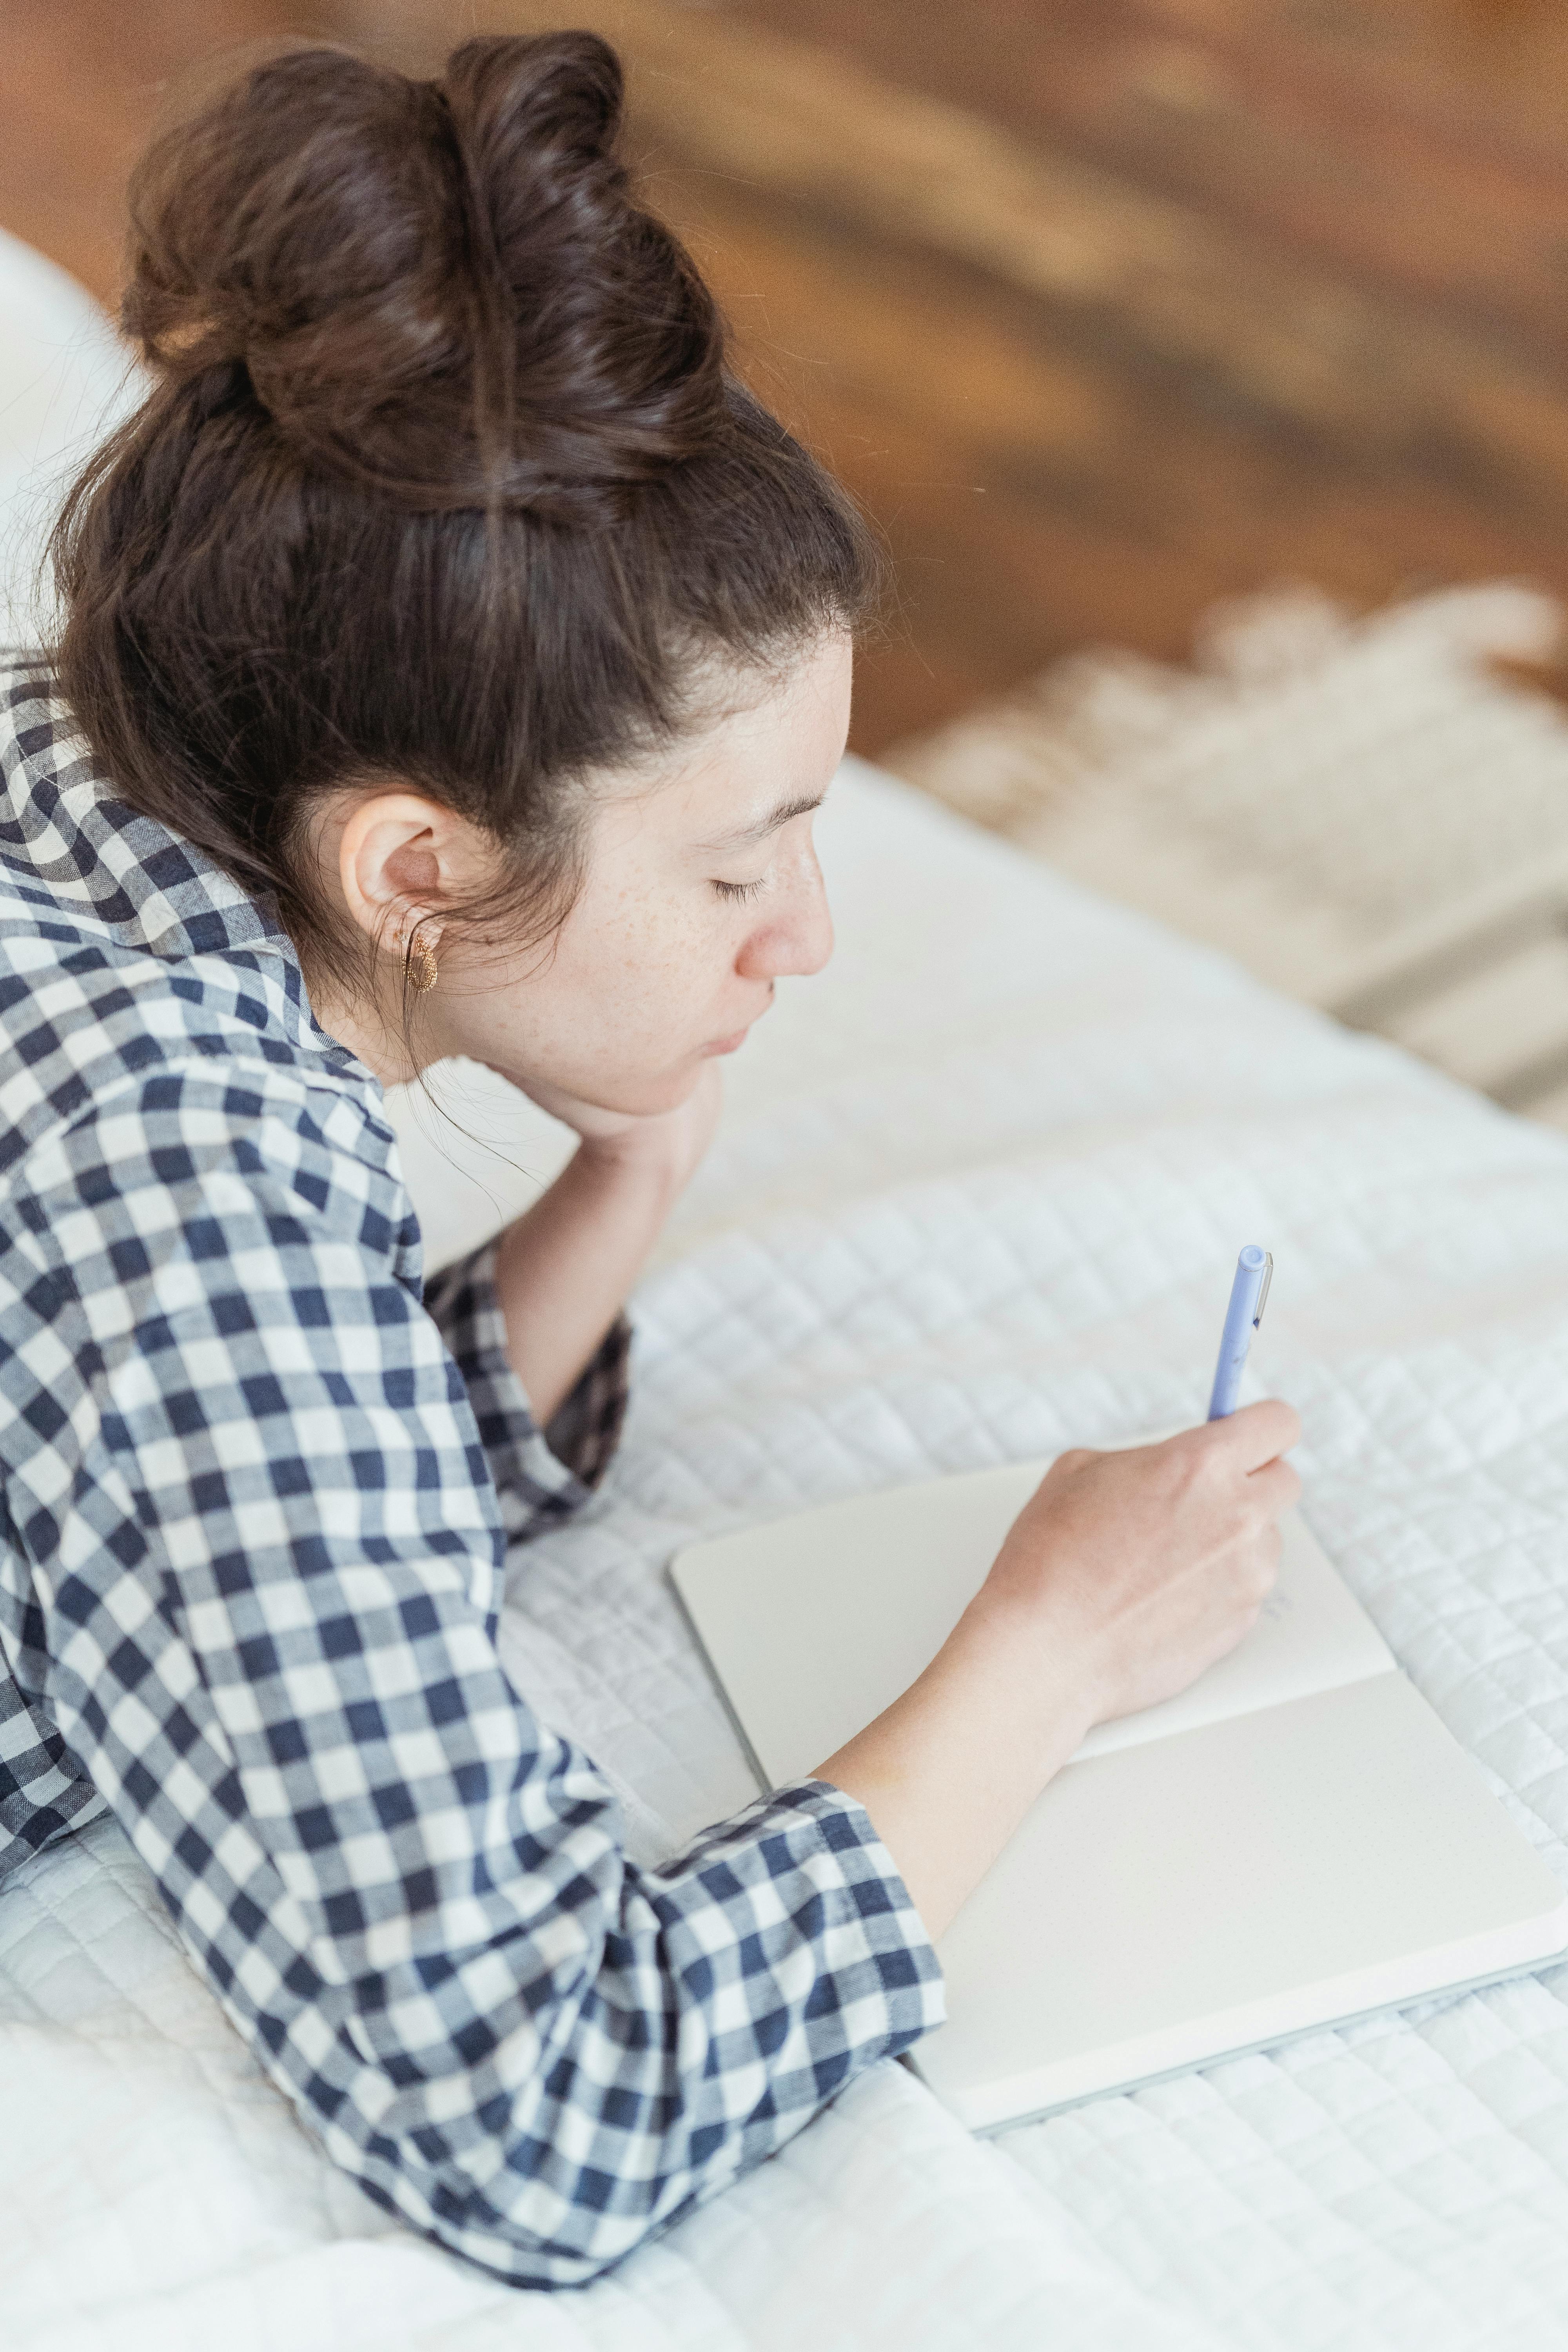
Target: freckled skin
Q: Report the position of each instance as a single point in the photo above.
(654, 966)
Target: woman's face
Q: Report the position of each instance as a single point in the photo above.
(702, 888)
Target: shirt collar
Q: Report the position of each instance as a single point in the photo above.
(70, 845)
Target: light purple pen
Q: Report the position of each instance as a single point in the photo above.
(1248, 1296)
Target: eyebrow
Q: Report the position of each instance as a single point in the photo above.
(785, 810)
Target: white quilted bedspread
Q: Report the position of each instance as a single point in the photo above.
(977, 1196)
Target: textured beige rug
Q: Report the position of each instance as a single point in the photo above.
(1370, 813)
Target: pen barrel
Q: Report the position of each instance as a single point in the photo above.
(1240, 1320)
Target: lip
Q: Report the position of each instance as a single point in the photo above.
(737, 1037)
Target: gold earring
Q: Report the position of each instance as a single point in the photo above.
(419, 963)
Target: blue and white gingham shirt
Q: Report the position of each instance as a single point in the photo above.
(259, 1484)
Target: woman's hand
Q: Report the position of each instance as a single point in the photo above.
(1124, 1576)
(669, 1143)
(564, 1268)
(1131, 1572)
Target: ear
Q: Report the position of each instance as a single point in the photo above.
(402, 859)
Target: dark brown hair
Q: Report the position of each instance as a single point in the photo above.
(443, 477)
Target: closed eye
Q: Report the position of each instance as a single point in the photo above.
(740, 889)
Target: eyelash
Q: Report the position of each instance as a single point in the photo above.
(740, 889)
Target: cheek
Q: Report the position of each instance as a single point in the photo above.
(627, 998)
(626, 1038)
(641, 968)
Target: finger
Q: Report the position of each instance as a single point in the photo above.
(1076, 1457)
(1257, 1569)
(1258, 1434)
(1275, 1485)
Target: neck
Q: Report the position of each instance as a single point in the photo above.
(369, 1026)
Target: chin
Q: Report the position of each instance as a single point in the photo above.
(676, 1089)
(645, 1096)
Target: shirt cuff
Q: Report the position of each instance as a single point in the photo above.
(877, 1981)
(541, 1475)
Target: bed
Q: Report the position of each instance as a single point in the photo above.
(976, 1196)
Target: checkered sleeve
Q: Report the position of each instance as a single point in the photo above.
(41, 1797)
(539, 1474)
(248, 1489)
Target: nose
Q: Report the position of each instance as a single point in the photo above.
(797, 938)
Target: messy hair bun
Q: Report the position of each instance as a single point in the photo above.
(442, 479)
(441, 291)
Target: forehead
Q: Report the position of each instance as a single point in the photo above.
(770, 747)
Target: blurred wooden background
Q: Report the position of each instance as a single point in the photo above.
(1104, 308)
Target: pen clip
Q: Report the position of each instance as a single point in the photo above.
(1263, 1293)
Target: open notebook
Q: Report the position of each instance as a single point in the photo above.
(1292, 1841)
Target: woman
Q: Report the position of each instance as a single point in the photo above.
(454, 655)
